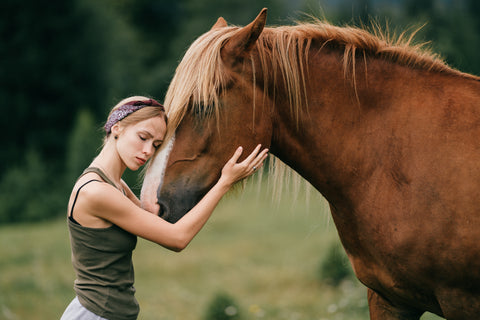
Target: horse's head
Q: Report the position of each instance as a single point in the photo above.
(214, 105)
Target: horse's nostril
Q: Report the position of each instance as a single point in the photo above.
(163, 211)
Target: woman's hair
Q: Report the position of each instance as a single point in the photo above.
(150, 110)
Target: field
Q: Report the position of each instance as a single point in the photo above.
(264, 254)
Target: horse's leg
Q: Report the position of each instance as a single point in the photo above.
(381, 309)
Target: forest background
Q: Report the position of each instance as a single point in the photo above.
(65, 63)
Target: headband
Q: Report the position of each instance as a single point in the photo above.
(128, 108)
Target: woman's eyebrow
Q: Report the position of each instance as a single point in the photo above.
(150, 135)
(146, 132)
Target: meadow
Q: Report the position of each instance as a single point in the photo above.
(262, 253)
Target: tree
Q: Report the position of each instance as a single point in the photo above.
(56, 57)
(83, 145)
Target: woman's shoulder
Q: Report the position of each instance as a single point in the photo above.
(92, 199)
(90, 181)
(93, 187)
(93, 192)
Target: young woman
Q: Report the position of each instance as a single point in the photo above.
(105, 217)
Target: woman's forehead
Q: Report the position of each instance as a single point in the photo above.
(155, 126)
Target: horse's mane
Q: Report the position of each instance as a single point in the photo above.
(201, 75)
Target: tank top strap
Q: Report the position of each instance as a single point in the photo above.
(100, 173)
(70, 216)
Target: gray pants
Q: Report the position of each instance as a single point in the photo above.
(75, 311)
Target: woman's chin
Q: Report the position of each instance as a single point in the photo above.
(134, 167)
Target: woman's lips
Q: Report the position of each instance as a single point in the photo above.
(141, 161)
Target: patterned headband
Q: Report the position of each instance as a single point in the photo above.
(126, 109)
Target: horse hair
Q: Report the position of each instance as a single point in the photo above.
(201, 76)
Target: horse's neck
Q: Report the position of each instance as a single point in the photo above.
(367, 130)
(336, 143)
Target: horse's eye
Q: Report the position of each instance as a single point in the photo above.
(202, 111)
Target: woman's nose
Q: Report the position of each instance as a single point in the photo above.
(148, 150)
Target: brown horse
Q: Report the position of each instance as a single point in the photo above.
(384, 130)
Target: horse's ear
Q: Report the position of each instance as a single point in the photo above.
(239, 45)
(221, 23)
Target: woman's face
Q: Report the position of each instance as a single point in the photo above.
(138, 142)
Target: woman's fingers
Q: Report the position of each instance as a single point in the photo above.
(252, 156)
(236, 155)
(261, 156)
(258, 161)
(255, 160)
(234, 171)
(248, 160)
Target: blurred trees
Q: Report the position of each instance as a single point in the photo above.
(56, 58)
(83, 144)
(64, 63)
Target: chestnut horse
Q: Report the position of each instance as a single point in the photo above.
(384, 130)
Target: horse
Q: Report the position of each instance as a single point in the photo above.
(383, 128)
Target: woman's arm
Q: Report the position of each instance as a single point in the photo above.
(130, 195)
(125, 214)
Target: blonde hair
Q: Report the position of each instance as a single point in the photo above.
(201, 76)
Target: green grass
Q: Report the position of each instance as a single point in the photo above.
(263, 254)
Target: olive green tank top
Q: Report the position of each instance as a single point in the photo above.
(102, 259)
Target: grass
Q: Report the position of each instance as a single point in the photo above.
(263, 254)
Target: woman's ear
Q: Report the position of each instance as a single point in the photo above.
(116, 130)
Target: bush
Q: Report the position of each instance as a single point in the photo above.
(83, 145)
(335, 266)
(222, 307)
(29, 193)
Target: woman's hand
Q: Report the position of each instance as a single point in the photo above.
(233, 171)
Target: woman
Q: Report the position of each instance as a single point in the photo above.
(105, 217)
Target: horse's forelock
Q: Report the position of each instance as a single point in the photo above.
(198, 78)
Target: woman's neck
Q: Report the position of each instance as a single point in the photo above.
(110, 163)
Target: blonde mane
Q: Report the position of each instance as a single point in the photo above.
(201, 75)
